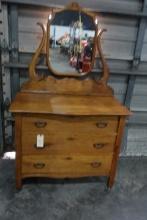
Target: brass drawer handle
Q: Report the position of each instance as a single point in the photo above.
(68, 158)
(40, 124)
(101, 124)
(39, 165)
(99, 146)
(96, 164)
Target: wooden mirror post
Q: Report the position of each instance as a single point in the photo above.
(32, 67)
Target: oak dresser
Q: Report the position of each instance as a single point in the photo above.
(69, 126)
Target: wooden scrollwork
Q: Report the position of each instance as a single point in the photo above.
(74, 6)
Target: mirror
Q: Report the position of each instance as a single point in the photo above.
(71, 42)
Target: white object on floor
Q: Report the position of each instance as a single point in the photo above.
(10, 155)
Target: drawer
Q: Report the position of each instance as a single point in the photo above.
(68, 144)
(66, 125)
(65, 166)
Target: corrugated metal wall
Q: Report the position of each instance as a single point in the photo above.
(1, 94)
(124, 45)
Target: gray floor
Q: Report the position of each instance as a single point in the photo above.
(68, 200)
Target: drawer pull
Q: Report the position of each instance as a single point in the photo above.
(101, 124)
(96, 164)
(39, 165)
(98, 146)
(40, 124)
(68, 158)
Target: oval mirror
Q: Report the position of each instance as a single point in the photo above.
(71, 37)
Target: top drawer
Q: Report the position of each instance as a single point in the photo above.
(73, 124)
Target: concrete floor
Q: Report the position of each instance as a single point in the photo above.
(74, 200)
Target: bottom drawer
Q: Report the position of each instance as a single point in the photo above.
(65, 166)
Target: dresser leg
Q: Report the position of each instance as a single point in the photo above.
(18, 135)
(110, 182)
(18, 183)
(111, 178)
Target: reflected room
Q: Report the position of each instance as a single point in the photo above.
(71, 40)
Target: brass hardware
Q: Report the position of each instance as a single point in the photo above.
(39, 165)
(71, 139)
(101, 124)
(96, 164)
(40, 124)
(98, 146)
(68, 158)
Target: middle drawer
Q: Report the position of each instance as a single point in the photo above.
(73, 144)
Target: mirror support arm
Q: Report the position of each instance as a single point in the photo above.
(32, 73)
(105, 77)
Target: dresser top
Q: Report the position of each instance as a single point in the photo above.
(67, 105)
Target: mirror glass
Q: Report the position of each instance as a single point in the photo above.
(71, 42)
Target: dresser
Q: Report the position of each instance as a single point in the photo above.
(68, 126)
(82, 135)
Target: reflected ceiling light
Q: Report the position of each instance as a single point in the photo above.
(50, 16)
(96, 21)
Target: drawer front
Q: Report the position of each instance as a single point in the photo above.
(68, 144)
(69, 134)
(65, 166)
(61, 125)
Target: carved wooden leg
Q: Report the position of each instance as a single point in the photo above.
(18, 121)
(18, 183)
(110, 182)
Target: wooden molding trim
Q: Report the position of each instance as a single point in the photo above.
(70, 86)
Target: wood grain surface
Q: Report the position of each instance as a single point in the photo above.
(67, 105)
(65, 134)
(65, 166)
(64, 86)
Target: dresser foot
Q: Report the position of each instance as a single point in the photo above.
(107, 189)
(110, 183)
(18, 184)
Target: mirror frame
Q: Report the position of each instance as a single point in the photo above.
(73, 7)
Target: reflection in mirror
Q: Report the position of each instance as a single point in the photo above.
(71, 42)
